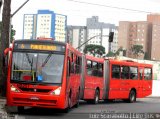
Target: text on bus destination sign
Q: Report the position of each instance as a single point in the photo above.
(42, 47)
(38, 47)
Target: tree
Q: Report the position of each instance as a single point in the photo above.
(137, 50)
(95, 50)
(146, 56)
(13, 33)
(120, 49)
(110, 54)
(4, 43)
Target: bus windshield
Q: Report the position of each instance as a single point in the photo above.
(37, 67)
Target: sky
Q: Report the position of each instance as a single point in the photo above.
(78, 12)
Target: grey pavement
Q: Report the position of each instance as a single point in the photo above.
(149, 104)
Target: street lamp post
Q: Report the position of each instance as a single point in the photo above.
(10, 27)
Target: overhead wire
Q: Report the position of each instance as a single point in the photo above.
(114, 7)
(109, 6)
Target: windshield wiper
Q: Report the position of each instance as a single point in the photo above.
(30, 62)
(46, 60)
(29, 59)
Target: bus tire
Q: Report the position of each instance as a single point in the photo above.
(96, 97)
(20, 109)
(78, 98)
(69, 104)
(132, 96)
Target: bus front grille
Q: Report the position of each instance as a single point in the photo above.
(28, 100)
(35, 90)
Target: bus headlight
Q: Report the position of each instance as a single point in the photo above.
(56, 91)
(14, 89)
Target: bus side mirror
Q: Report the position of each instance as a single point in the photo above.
(6, 51)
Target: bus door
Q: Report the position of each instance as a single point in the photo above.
(125, 82)
(129, 75)
(74, 78)
(115, 82)
(140, 84)
(89, 81)
(147, 82)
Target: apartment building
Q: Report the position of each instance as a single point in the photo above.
(45, 24)
(134, 33)
(154, 19)
(76, 36)
(101, 30)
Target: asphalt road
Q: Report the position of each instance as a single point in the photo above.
(142, 109)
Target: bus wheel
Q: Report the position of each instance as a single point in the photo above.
(132, 96)
(78, 96)
(96, 97)
(20, 109)
(69, 104)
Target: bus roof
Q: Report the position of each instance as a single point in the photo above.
(129, 62)
(97, 59)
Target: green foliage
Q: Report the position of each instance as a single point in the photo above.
(119, 50)
(137, 50)
(146, 56)
(13, 33)
(95, 50)
(110, 54)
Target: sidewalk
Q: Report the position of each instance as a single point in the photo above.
(2, 104)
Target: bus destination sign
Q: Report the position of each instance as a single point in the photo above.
(47, 47)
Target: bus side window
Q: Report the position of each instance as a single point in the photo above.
(94, 68)
(125, 72)
(148, 74)
(115, 71)
(68, 67)
(133, 73)
(78, 65)
(89, 67)
(72, 63)
(140, 74)
(100, 70)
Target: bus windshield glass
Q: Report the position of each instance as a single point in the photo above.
(37, 67)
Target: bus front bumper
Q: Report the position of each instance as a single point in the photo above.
(36, 100)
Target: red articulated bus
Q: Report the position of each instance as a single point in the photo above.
(43, 73)
(92, 81)
(127, 80)
(50, 74)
